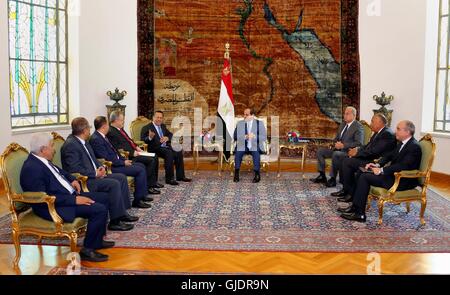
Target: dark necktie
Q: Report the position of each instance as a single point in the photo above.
(60, 174)
(131, 142)
(343, 132)
(112, 147)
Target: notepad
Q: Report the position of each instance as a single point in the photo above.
(145, 154)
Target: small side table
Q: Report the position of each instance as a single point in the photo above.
(198, 146)
(302, 146)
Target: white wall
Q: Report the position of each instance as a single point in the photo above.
(102, 56)
(394, 45)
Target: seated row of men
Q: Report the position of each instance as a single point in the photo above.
(109, 193)
(361, 166)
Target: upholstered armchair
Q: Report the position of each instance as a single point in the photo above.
(135, 130)
(418, 194)
(24, 221)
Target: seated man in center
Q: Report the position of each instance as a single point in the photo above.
(250, 136)
(350, 134)
(104, 149)
(159, 138)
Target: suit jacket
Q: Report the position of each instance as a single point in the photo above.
(104, 150)
(119, 141)
(353, 137)
(408, 158)
(257, 143)
(379, 145)
(35, 176)
(154, 143)
(75, 159)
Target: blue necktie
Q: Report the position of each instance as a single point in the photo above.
(160, 133)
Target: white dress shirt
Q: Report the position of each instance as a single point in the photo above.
(58, 176)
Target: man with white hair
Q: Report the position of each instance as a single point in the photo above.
(350, 134)
(39, 174)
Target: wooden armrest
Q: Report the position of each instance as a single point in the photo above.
(38, 198)
(83, 180)
(405, 174)
(108, 165)
(124, 153)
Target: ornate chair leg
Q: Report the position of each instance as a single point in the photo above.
(16, 240)
(369, 200)
(408, 207)
(73, 241)
(380, 211)
(39, 240)
(422, 211)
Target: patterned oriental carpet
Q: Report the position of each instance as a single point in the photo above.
(285, 214)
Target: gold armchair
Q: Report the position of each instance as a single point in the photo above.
(383, 196)
(26, 222)
(135, 130)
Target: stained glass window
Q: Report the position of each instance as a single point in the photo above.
(442, 111)
(38, 62)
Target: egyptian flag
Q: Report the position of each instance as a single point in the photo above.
(226, 104)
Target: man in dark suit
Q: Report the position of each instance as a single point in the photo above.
(406, 156)
(104, 149)
(159, 138)
(350, 134)
(120, 140)
(77, 156)
(250, 136)
(39, 174)
(382, 142)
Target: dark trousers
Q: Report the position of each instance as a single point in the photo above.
(337, 158)
(116, 186)
(349, 173)
(172, 157)
(151, 167)
(255, 155)
(137, 171)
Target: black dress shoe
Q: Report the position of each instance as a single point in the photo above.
(185, 179)
(129, 218)
(153, 191)
(345, 199)
(121, 226)
(319, 179)
(340, 193)
(331, 182)
(159, 185)
(141, 204)
(92, 255)
(148, 199)
(107, 244)
(349, 209)
(257, 178)
(354, 217)
(236, 175)
(172, 182)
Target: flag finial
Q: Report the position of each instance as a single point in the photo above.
(227, 51)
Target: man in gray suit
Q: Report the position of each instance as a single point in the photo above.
(349, 135)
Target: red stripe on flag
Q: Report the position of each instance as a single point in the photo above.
(226, 78)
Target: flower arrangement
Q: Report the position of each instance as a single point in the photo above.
(293, 136)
